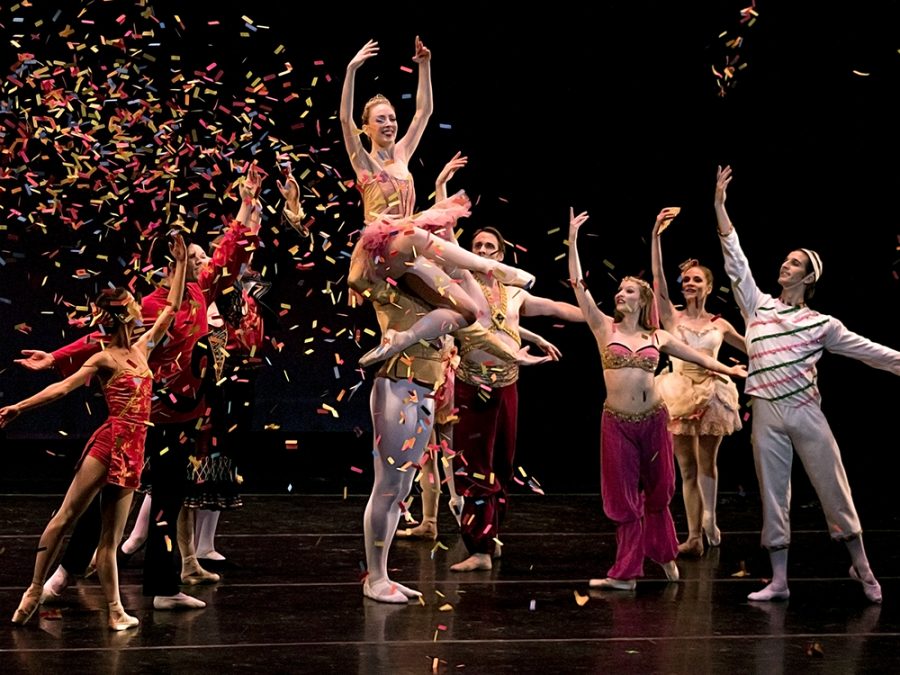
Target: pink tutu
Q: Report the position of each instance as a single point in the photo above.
(378, 235)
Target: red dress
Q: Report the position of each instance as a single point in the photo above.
(119, 442)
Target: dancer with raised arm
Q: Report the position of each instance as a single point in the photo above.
(785, 340)
(178, 406)
(399, 244)
(637, 470)
(703, 407)
(113, 457)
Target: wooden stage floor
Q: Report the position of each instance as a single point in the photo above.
(290, 600)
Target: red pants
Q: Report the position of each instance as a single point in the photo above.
(484, 439)
(637, 482)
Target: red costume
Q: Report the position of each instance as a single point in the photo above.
(119, 441)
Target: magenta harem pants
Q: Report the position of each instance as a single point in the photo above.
(484, 439)
(637, 481)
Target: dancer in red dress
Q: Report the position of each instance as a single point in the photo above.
(112, 460)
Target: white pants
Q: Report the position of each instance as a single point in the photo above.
(778, 431)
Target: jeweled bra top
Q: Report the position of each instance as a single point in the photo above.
(616, 355)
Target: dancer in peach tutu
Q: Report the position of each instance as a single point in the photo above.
(703, 407)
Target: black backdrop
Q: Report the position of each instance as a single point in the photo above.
(611, 107)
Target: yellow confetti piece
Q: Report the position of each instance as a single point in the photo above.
(446, 607)
(581, 600)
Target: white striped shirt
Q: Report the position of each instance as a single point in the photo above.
(785, 342)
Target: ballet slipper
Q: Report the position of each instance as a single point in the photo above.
(671, 570)
(692, 548)
(193, 575)
(177, 601)
(475, 562)
(385, 590)
(770, 593)
(610, 584)
(31, 601)
(426, 530)
(118, 619)
(871, 588)
(55, 585)
(385, 350)
(713, 535)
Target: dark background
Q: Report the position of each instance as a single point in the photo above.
(613, 108)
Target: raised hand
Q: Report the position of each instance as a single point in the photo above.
(575, 222)
(290, 189)
(251, 184)
(665, 218)
(36, 360)
(723, 178)
(422, 54)
(177, 248)
(450, 168)
(369, 50)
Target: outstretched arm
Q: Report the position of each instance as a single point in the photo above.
(592, 314)
(173, 302)
(352, 142)
(534, 305)
(407, 145)
(56, 390)
(670, 344)
(660, 285)
(746, 293)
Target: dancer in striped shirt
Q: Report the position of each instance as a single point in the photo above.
(785, 340)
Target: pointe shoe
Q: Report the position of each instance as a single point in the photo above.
(385, 350)
(177, 601)
(31, 600)
(55, 585)
(385, 590)
(671, 570)
(872, 588)
(513, 276)
(426, 530)
(692, 548)
(118, 619)
(610, 584)
(192, 574)
(477, 562)
(713, 535)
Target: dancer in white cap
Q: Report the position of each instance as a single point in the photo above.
(785, 339)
